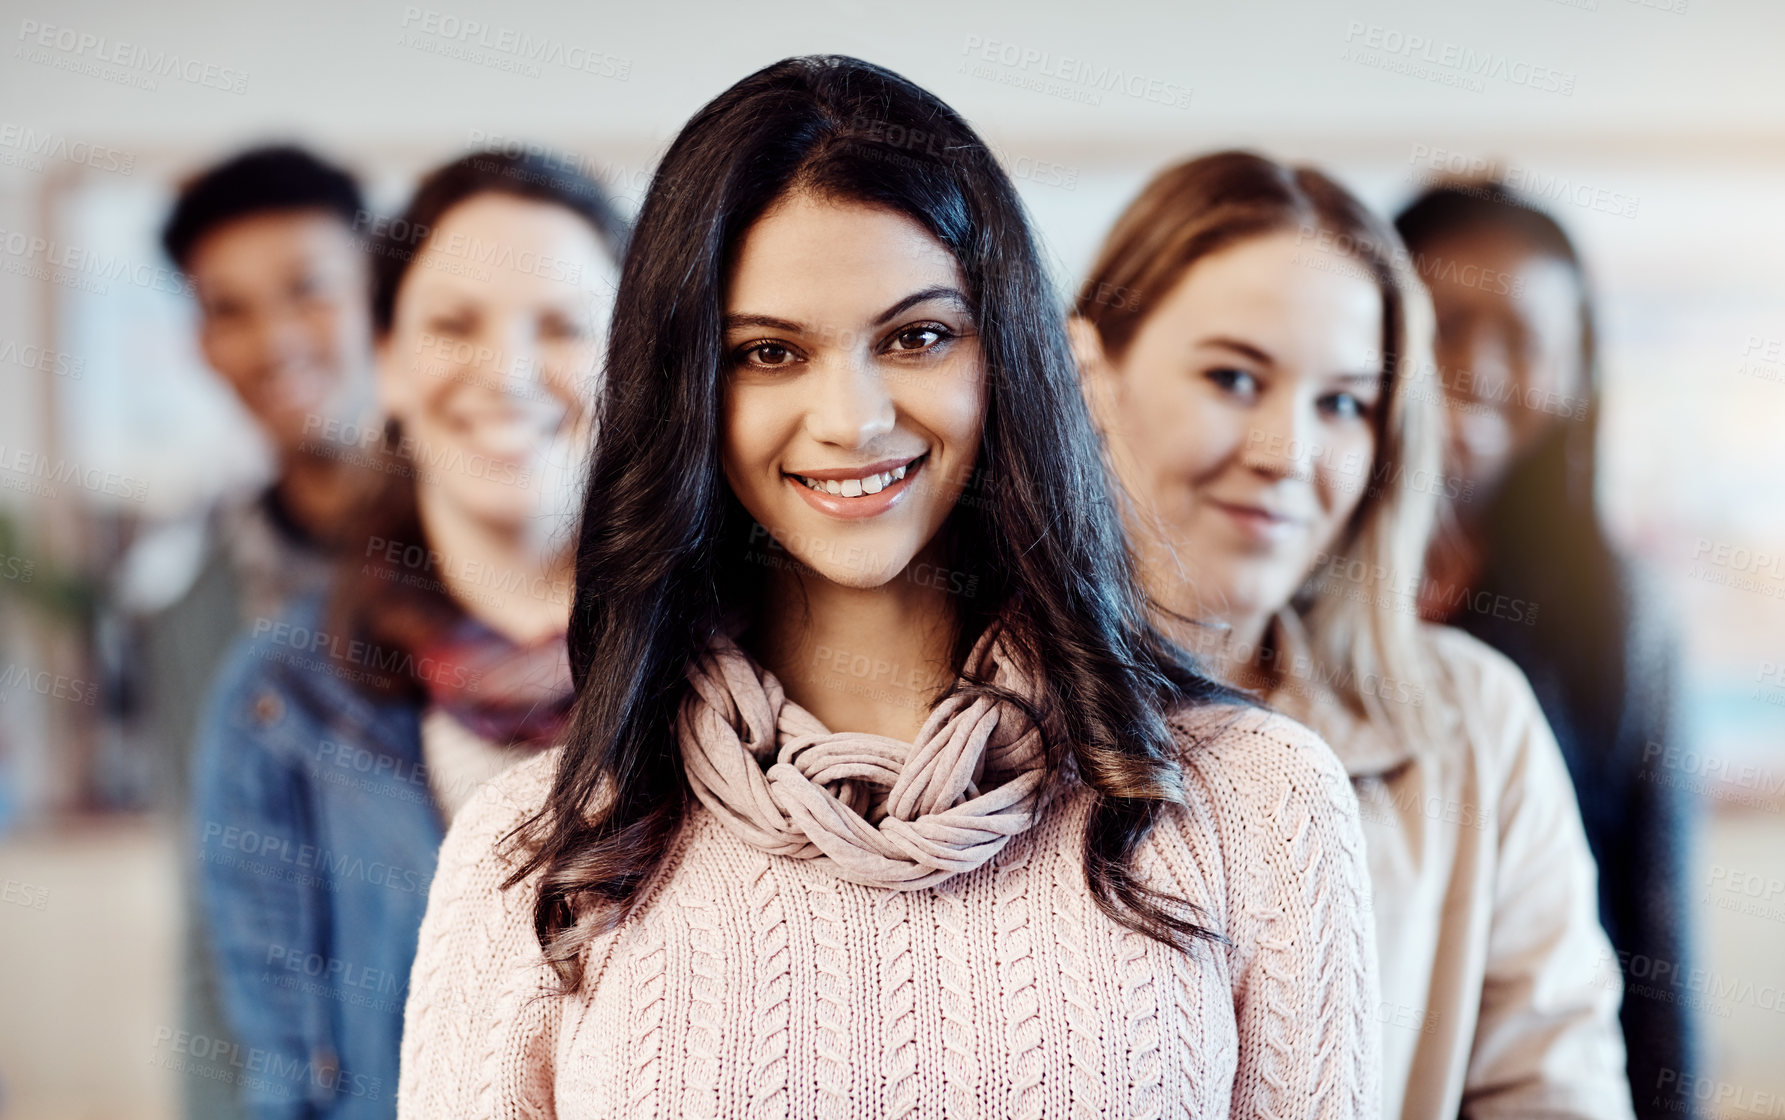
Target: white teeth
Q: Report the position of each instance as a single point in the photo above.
(856, 487)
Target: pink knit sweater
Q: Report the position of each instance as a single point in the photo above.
(757, 985)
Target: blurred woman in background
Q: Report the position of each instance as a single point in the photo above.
(1525, 565)
(344, 735)
(1247, 337)
(883, 796)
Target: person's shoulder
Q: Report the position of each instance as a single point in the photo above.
(1462, 655)
(1477, 681)
(270, 653)
(503, 803)
(1267, 812)
(297, 625)
(482, 851)
(522, 788)
(1247, 756)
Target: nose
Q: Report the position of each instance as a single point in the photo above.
(283, 338)
(1483, 361)
(1478, 435)
(1280, 441)
(850, 405)
(502, 359)
(516, 366)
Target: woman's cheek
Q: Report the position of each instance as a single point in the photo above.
(749, 411)
(570, 373)
(1194, 433)
(948, 398)
(1343, 467)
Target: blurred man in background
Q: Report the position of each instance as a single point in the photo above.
(267, 239)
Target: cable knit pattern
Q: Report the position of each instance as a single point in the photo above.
(646, 1084)
(766, 1090)
(830, 957)
(707, 989)
(1082, 1044)
(751, 985)
(898, 1006)
(955, 960)
(1022, 1005)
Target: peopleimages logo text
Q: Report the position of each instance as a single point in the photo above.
(130, 57)
(1456, 57)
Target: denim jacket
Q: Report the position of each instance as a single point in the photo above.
(316, 837)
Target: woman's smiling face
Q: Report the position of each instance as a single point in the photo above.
(1242, 420)
(855, 392)
(492, 369)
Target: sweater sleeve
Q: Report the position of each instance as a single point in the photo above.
(480, 1025)
(1547, 1039)
(1302, 953)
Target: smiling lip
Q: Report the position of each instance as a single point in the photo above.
(510, 435)
(1256, 522)
(853, 499)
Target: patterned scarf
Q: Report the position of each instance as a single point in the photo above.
(505, 692)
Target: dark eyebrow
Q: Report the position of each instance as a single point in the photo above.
(733, 322)
(940, 291)
(769, 322)
(1244, 349)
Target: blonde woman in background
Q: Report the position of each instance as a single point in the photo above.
(1247, 339)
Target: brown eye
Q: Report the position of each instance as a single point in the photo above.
(917, 338)
(452, 326)
(770, 354)
(560, 328)
(226, 311)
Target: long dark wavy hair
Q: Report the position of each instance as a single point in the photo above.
(395, 610)
(661, 551)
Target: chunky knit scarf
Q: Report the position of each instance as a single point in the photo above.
(880, 811)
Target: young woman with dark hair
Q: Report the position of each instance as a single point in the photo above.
(882, 796)
(346, 733)
(1251, 338)
(1527, 566)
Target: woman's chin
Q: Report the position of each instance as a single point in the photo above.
(855, 565)
(855, 579)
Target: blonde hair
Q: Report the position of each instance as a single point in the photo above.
(1361, 629)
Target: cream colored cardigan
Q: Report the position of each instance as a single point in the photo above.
(1499, 988)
